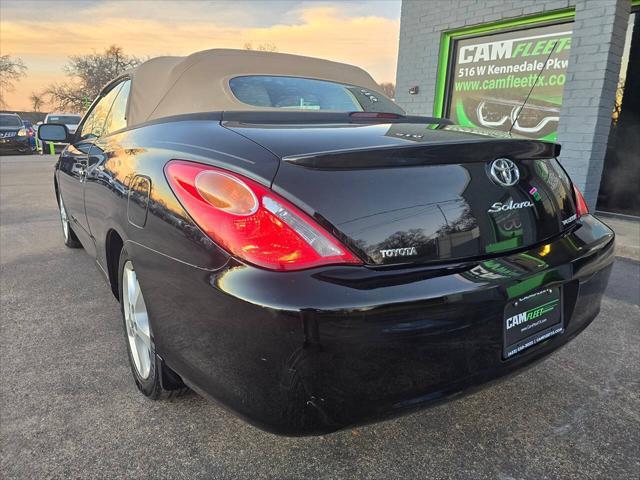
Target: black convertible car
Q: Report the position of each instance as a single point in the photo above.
(284, 239)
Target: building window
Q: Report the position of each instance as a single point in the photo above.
(491, 70)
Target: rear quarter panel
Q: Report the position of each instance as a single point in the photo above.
(117, 159)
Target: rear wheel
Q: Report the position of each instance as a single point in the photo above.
(152, 378)
(70, 239)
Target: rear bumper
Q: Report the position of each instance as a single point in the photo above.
(315, 351)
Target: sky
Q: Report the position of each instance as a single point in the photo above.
(44, 33)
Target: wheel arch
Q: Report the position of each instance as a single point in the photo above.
(113, 246)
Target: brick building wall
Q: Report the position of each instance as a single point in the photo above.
(597, 44)
(589, 94)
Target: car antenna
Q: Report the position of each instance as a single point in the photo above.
(544, 65)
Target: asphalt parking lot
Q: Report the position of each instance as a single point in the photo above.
(69, 408)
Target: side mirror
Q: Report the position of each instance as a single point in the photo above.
(54, 132)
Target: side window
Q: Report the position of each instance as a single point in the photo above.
(117, 116)
(94, 123)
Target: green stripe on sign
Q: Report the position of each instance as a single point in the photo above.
(462, 115)
(547, 304)
(541, 310)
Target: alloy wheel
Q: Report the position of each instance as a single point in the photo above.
(136, 321)
(64, 219)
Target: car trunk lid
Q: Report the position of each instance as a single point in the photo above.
(410, 194)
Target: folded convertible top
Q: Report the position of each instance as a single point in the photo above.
(167, 86)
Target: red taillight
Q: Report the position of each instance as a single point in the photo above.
(581, 205)
(252, 222)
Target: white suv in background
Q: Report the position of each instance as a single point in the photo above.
(69, 119)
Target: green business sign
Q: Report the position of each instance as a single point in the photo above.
(487, 72)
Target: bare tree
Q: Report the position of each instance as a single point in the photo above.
(37, 101)
(388, 88)
(11, 70)
(262, 47)
(617, 106)
(88, 74)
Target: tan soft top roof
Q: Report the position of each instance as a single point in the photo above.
(166, 86)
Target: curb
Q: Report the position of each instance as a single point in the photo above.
(627, 230)
(628, 252)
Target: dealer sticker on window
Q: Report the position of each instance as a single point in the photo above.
(531, 319)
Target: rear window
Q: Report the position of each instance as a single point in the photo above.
(66, 119)
(297, 93)
(10, 121)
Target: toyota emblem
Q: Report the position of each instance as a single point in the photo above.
(504, 172)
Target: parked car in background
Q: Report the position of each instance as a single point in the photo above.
(71, 121)
(14, 137)
(282, 237)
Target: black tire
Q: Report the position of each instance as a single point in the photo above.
(161, 382)
(69, 236)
